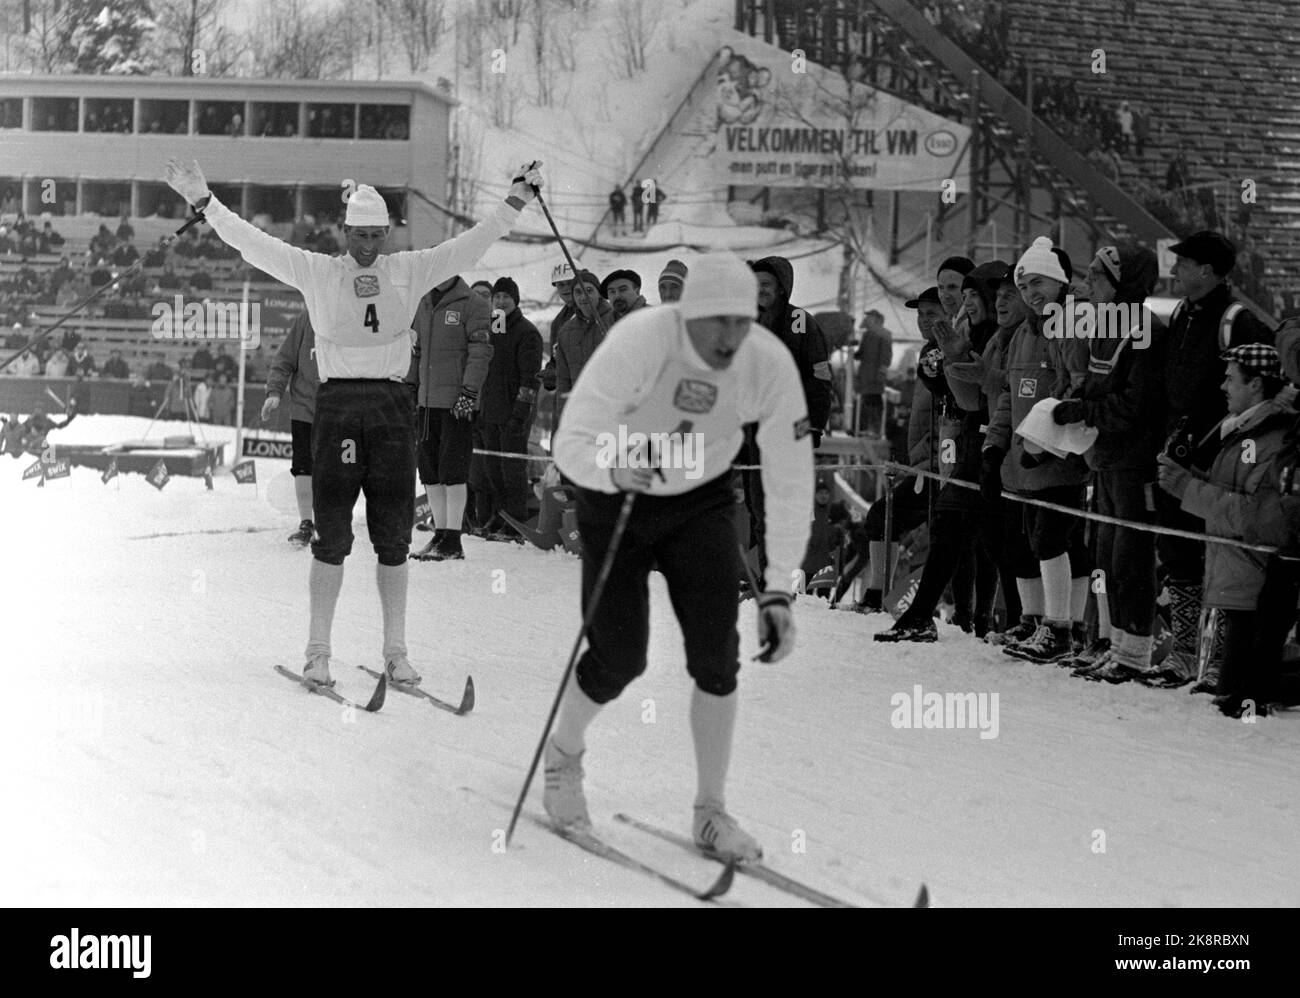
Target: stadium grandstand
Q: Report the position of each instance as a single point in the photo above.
(1148, 118)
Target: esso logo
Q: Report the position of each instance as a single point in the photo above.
(941, 143)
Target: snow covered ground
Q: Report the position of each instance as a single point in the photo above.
(153, 757)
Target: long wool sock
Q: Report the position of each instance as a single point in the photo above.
(437, 495)
(323, 583)
(713, 721)
(1056, 589)
(392, 580)
(457, 495)
(577, 711)
(1031, 597)
(302, 492)
(1078, 598)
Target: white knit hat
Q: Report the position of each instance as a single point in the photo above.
(1039, 259)
(720, 284)
(366, 207)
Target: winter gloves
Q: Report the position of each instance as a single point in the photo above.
(775, 626)
(1068, 411)
(464, 407)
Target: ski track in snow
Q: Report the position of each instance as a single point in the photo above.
(155, 758)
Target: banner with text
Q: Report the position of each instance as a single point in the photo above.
(768, 119)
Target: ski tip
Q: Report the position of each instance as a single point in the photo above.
(467, 699)
(922, 898)
(381, 691)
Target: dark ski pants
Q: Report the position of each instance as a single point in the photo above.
(363, 441)
(1252, 658)
(1179, 559)
(691, 540)
(1127, 556)
(301, 463)
(957, 525)
(910, 510)
(505, 478)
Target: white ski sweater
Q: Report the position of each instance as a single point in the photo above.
(362, 315)
(646, 396)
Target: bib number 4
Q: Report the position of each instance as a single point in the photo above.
(371, 319)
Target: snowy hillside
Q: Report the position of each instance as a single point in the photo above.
(591, 138)
(160, 760)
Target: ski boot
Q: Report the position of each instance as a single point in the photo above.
(717, 833)
(304, 535)
(562, 796)
(318, 671)
(399, 671)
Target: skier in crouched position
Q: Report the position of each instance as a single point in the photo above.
(688, 375)
(361, 305)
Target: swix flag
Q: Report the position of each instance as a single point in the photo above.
(245, 472)
(110, 472)
(158, 476)
(61, 468)
(37, 470)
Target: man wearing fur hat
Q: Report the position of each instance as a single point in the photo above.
(683, 379)
(361, 305)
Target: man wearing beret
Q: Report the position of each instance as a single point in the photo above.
(622, 289)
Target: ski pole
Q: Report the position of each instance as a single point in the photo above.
(620, 525)
(541, 203)
(138, 265)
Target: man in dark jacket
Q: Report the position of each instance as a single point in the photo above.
(449, 363)
(798, 330)
(1205, 323)
(116, 366)
(960, 512)
(294, 370)
(1120, 399)
(617, 204)
(578, 338)
(507, 411)
(562, 280)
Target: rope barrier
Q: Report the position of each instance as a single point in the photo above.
(893, 469)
